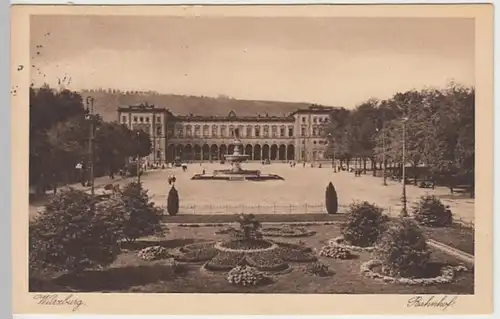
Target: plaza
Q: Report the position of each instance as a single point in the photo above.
(301, 191)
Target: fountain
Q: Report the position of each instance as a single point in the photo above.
(236, 172)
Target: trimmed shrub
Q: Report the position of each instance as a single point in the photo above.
(74, 232)
(331, 200)
(430, 211)
(364, 225)
(335, 252)
(249, 226)
(140, 216)
(402, 249)
(245, 276)
(318, 269)
(173, 201)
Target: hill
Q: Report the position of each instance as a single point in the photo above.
(107, 101)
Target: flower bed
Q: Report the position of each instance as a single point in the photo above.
(245, 276)
(197, 246)
(224, 261)
(287, 231)
(318, 269)
(335, 252)
(447, 274)
(197, 255)
(267, 261)
(153, 253)
(253, 245)
(339, 242)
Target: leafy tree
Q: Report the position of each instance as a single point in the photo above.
(364, 225)
(140, 143)
(173, 201)
(331, 200)
(74, 232)
(140, 216)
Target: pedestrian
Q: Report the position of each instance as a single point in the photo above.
(173, 179)
(203, 171)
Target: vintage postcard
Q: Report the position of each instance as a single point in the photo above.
(252, 159)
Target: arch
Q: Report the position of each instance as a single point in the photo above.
(282, 153)
(197, 152)
(222, 151)
(256, 152)
(170, 152)
(178, 151)
(214, 152)
(248, 151)
(290, 152)
(274, 152)
(265, 152)
(205, 152)
(188, 152)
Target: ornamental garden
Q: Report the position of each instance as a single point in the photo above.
(124, 243)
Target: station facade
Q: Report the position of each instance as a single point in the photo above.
(298, 136)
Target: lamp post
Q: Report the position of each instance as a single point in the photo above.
(89, 116)
(138, 160)
(404, 211)
(330, 137)
(383, 154)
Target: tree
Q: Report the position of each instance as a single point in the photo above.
(173, 201)
(331, 200)
(140, 143)
(74, 232)
(112, 146)
(140, 216)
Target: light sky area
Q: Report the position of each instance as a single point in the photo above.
(330, 61)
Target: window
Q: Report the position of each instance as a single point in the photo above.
(179, 131)
(249, 131)
(315, 131)
(274, 131)
(303, 119)
(158, 154)
(147, 119)
(282, 131)
(266, 131)
(314, 142)
(257, 131)
(141, 119)
(223, 131)
(124, 118)
(315, 119)
(159, 130)
(241, 130)
(135, 118)
(290, 131)
(206, 129)
(189, 131)
(214, 130)
(158, 119)
(231, 131)
(197, 131)
(303, 131)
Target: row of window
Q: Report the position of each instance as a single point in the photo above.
(316, 119)
(316, 131)
(140, 119)
(224, 131)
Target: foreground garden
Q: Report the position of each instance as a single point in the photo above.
(120, 245)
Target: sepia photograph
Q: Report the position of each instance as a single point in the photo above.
(284, 154)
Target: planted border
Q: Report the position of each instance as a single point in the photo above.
(448, 273)
(339, 242)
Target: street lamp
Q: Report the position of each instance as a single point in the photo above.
(89, 116)
(330, 137)
(138, 159)
(383, 153)
(404, 211)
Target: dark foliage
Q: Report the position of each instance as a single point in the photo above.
(430, 211)
(331, 199)
(364, 225)
(173, 202)
(403, 250)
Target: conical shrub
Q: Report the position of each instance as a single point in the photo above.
(173, 202)
(331, 200)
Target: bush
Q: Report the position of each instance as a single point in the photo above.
(430, 211)
(249, 226)
(245, 276)
(153, 253)
(74, 232)
(364, 225)
(140, 216)
(335, 252)
(331, 199)
(173, 202)
(402, 249)
(318, 269)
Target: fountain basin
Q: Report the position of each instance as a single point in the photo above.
(237, 177)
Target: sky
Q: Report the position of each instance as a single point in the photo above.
(330, 61)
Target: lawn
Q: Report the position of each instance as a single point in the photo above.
(131, 274)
